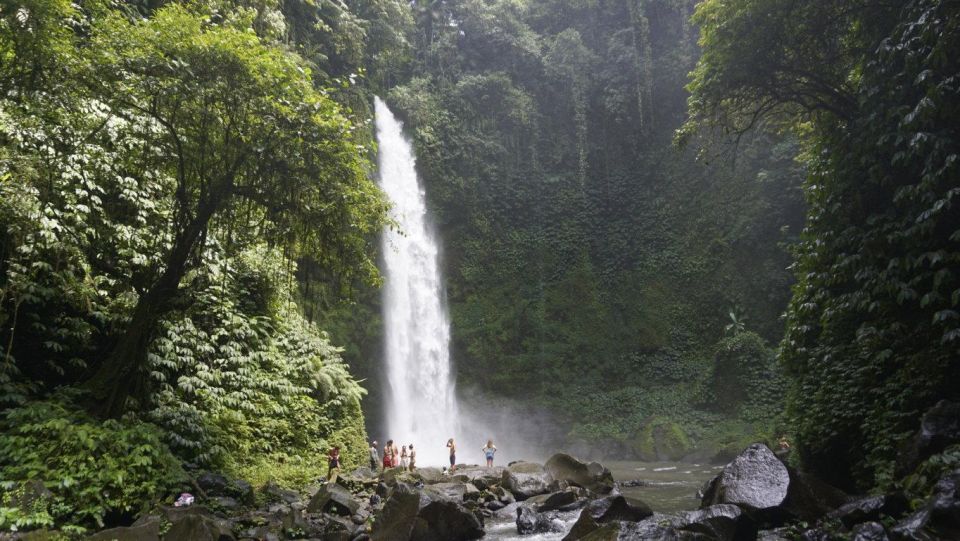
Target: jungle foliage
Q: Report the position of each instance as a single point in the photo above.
(166, 169)
(591, 265)
(873, 329)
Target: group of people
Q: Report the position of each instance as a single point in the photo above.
(405, 458)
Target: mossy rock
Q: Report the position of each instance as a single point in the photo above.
(661, 439)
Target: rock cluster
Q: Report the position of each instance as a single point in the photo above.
(755, 496)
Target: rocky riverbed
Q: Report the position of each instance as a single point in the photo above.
(755, 496)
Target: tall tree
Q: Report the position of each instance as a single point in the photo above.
(243, 132)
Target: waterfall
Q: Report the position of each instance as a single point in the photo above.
(421, 403)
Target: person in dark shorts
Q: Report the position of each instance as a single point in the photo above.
(453, 454)
(334, 461)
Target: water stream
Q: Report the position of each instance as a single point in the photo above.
(667, 487)
(421, 403)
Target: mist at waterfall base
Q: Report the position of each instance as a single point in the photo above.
(421, 405)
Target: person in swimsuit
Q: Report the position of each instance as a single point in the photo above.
(413, 458)
(334, 462)
(388, 455)
(489, 451)
(453, 454)
(404, 458)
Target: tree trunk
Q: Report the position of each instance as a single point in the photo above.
(123, 374)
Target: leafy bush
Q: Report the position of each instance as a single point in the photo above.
(242, 379)
(96, 472)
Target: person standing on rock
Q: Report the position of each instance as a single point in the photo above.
(489, 451)
(453, 454)
(404, 458)
(413, 458)
(374, 457)
(334, 462)
(388, 455)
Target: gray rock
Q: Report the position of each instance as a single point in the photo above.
(430, 475)
(147, 530)
(529, 521)
(395, 522)
(939, 428)
(445, 520)
(526, 479)
(276, 493)
(755, 480)
(495, 505)
(870, 531)
(939, 518)
(723, 522)
(226, 503)
(199, 527)
(613, 508)
(815, 534)
(363, 472)
(869, 509)
(557, 500)
(593, 477)
(778, 534)
(451, 491)
(481, 478)
(334, 498)
(338, 529)
(808, 499)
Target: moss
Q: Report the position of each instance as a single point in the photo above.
(661, 439)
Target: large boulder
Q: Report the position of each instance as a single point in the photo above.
(870, 531)
(146, 530)
(409, 514)
(196, 523)
(592, 477)
(871, 508)
(333, 498)
(558, 501)
(722, 522)
(526, 479)
(808, 498)
(939, 518)
(395, 522)
(755, 480)
(446, 520)
(276, 493)
(482, 478)
(451, 491)
(529, 521)
(608, 509)
(430, 475)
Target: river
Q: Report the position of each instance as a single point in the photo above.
(668, 487)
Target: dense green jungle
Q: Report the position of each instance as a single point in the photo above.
(669, 229)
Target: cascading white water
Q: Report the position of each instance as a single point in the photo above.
(421, 402)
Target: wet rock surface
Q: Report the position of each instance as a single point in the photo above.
(755, 480)
(593, 477)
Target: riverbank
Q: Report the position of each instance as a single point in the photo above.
(754, 496)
